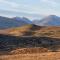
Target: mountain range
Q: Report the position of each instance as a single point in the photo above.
(51, 20)
(13, 22)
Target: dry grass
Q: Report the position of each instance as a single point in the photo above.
(42, 56)
(29, 50)
(33, 53)
(32, 30)
(49, 32)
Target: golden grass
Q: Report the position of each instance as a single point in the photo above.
(50, 31)
(32, 53)
(41, 56)
(29, 50)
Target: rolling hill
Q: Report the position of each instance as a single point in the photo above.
(33, 30)
(30, 41)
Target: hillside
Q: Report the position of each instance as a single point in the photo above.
(29, 36)
(33, 30)
(30, 42)
(13, 43)
(20, 31)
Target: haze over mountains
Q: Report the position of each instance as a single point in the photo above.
(51, 20)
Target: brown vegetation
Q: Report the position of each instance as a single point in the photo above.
(30, 43)
(29, 50)
(33, 30)
(41, 56)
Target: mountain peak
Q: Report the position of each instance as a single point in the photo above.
(51, 20)
(52, 15)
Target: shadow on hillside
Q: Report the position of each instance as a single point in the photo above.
(32, 30)
(9, 43)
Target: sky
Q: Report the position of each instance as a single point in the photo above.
(32, 9)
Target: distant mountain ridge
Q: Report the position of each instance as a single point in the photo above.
(51, 20)
(5, 22)
(13, 22)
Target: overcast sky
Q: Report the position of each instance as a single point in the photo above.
(29, 8)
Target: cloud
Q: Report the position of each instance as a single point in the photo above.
(20, 14)
(9, 3)
(15, 7)
(52, 3)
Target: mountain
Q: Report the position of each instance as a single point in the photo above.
(13, 22)
(23, 19)
(51, 20)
